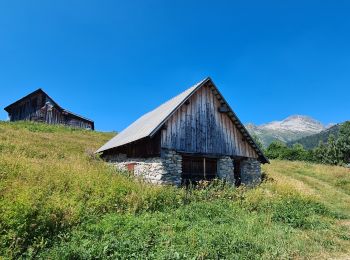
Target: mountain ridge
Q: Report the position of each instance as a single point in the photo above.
(310, 142)
(287, 130)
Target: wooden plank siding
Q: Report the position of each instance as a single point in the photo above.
(146, 147)
(41, 108)
(199, 127)
(27, 109)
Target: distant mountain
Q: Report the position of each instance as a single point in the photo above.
(290, 129)
(310, 142)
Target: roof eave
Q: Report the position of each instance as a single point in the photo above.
(8, 108)
(261, 155)
(242, 129)
(39, 90)
(78, 116)
(183, 102)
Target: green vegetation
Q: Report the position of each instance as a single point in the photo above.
(335, 152)
(279, 150)
(312, 141)
(59, 201)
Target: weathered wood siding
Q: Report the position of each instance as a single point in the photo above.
(41, 108)
(28, 109)
(199, 127)
(74, 122)
(146, 147)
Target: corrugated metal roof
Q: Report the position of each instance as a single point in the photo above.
(148, 123)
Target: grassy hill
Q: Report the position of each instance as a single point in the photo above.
(311, 141)
(59, 201)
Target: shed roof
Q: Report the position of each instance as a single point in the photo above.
(150, 123)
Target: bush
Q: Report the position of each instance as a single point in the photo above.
(335, 152)
(276, 150)
(279, 150)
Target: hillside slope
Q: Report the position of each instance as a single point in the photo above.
(292, 128)
(310, 142)
(58, 201)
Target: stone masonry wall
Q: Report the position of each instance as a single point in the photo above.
(172, 163)
(250, 172)
(167, 168)
(225, 169)
(159, 170)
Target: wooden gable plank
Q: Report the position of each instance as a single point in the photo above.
(199, 127)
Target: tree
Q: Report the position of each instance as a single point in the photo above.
(319, 152)
(297, 152)
(337, 150)
(344, 142)
(276, 150)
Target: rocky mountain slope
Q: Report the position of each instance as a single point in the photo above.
(310, 142)
(290, 129)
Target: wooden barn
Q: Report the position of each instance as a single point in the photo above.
(39, 107)
(194, 136)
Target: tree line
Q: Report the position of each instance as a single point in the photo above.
(336, 151)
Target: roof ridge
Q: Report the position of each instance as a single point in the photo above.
(42, 91)
(149, 122)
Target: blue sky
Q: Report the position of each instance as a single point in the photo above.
(112, 61)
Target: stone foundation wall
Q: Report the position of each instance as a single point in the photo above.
(225, 169)
(250, 172)
(167, 168)
(172, 163)
(159, 170)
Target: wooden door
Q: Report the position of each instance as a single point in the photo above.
(195, 169)
(237, 172)
(210, 168)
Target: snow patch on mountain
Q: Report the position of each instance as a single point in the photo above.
(286, 130)
(296, 123)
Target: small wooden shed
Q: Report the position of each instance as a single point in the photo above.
(38, 106)
(194, 136)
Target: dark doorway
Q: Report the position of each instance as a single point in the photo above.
(237, 172)
(195, 169)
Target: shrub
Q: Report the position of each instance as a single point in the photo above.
(335, 152)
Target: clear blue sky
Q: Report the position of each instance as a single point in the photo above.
(112, 61)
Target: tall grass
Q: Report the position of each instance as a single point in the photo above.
(59, 201)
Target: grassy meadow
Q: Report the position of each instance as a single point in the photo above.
(59, 201)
